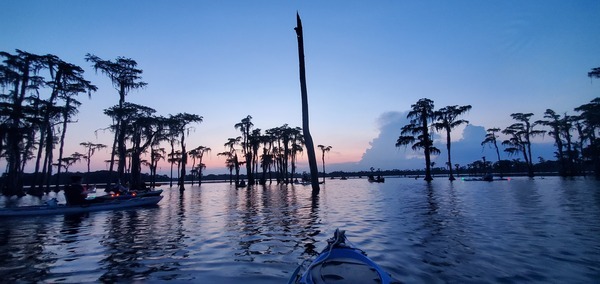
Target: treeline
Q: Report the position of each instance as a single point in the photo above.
(574, 153)
(273, 152)
(514, 167)
(39, 101)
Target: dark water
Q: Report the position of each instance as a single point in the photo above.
(542, 230)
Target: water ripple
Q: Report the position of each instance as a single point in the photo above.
(523, 230)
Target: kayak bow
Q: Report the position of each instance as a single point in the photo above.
(341, 263)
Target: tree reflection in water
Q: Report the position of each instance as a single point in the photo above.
(270, 221)
(506, 231)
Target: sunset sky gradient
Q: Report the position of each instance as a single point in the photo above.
(367, 62)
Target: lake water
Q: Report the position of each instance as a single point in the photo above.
(522, 230)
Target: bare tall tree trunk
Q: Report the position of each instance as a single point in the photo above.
(50, 157)
(37, 176)
(310, 147)
(183, 163)
(62, 144)
(112, 156)
(122, 152)
(427, 147)
(451, 177)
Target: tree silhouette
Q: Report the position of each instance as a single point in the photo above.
(171, 136)
(174, 158)
(255, 141)
(590, 120)
(90, 149)
(68, 111)
(156, 154)
(199, 169)
(285, 137)
(193, 172)
(229, 163)
(297, 144)
(232, 158)
(417, 132)
(198, 153)
(65, 81)
(310, 147)
(578, 125)
(268, 158)
(17, 74)
(125, 77)
(180, 126)
(560, 128)
(323, 150)
(520, 135)
(22, 117)
(492, 138)
(594, 73)
(447, 120)
(142, 128)
(69, 161)
(245, 127)
(25, 113)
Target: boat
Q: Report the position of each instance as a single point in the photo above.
(341, 262)
(52, 208)
(376, 179)
(488, 178)
(304, 181)
(146, 193)
(131, 194)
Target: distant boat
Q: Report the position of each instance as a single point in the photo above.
(488, 177)
(376, 179)
(303, 182)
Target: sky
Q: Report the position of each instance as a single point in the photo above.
(367, 62)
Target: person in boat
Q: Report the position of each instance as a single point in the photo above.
(118, 188)
(75, 193)
(143, 187)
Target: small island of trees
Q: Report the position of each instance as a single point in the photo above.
(575, 156)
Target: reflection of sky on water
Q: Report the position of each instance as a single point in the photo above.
(518, 230)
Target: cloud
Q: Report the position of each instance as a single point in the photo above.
(383, 153)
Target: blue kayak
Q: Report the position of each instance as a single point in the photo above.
(341, 263)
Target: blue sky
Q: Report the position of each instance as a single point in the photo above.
(367, 62)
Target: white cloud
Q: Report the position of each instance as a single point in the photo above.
(467, 149)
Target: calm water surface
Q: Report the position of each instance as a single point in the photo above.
(522, 230)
